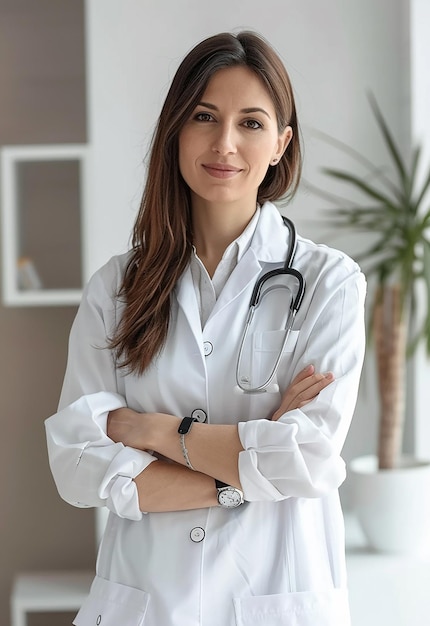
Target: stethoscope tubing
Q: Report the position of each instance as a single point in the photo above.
(268, 383)
(294, 308)
(255, 297)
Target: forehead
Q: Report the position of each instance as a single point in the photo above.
(239, 86)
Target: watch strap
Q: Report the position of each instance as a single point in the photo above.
(185, 425)
(219, 484)
(184, 428)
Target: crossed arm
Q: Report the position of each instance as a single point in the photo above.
(168, 485)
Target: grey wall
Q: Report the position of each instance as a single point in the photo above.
(42, 100)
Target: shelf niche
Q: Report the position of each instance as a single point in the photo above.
(43, 191)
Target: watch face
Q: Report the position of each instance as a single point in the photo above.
(230, 497)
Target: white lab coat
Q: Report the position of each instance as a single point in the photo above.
(279, 558)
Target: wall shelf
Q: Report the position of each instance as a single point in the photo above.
(43, 190)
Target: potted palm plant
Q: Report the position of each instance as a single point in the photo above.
(397, 262)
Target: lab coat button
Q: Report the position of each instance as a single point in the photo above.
(197, 534)
(207, 348)
(199, 415)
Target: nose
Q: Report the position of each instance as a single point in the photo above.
(224, 141)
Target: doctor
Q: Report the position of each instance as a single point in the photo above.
(224, 506)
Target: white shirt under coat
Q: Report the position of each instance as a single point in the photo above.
(279, 558)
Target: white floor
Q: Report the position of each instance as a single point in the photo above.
(385, 590)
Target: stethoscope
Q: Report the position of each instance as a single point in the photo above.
(264, 285)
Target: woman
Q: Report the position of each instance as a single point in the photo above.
(231, 516)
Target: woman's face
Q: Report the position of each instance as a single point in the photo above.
(230, 139)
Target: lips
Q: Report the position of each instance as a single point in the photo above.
(221, 170)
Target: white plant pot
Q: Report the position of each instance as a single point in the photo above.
(393, 506)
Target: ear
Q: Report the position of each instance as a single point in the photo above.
(281, 145)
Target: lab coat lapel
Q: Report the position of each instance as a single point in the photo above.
(269, 245)
(187, 301)
(245, 272)
(271, 238)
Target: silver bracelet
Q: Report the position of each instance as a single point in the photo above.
(184, 428)
(185, 452)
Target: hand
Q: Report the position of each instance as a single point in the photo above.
(304, 388)
(126, 426)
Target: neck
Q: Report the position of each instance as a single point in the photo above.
(215, 227)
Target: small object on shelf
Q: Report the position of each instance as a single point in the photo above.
(28, 277)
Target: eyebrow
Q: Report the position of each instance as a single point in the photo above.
(208, 105)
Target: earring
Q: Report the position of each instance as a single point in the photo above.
(274, 161)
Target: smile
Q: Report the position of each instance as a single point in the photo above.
(221, 170)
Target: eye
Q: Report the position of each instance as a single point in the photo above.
(252, 124)
(203, 117)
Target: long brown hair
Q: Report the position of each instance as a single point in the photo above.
(162, 234)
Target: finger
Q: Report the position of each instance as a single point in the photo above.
(314, 384)
(300, 386)
(305, 402)
(319, 382)
(311, 382)
(303, 392)
(302, 379)
(303, 374)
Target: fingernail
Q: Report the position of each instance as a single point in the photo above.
(329, 375)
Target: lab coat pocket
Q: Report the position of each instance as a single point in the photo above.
(305, 608)
(271, 341)
(267, 348)
(112, 604)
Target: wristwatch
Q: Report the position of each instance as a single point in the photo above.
(228, 497)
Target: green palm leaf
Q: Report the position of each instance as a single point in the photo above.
(426, 274)
(393, 215)
(390, 143)
(422, 193)
(359, 183)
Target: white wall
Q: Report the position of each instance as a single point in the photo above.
(420, 126)
(335, 51)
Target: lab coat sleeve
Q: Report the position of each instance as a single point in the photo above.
(300, 455)
(89, 469)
